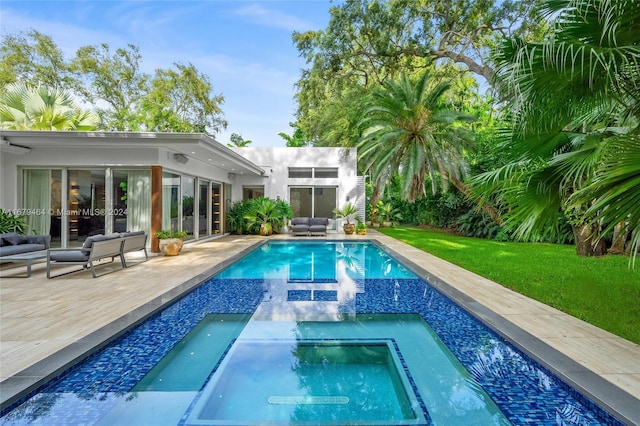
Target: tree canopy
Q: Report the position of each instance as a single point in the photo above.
(370, 41)
(574, 142)
(177, 99)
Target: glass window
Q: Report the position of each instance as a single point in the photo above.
(131, 200)
(252, 192)
(42, 199)
(300, 172)
(170, 192)
(203, 218)
(86, 198)
(301, 201)
(188, 199)
(216, 208)
(324, 202)
(328, 172)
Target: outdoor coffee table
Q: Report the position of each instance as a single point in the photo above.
(24, 257)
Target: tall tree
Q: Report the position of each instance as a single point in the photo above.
(236, 140)
(181, 100)
(33, 57)
(410, 129)
(113, 79)
(370, 41)
(297, 139)
(23, 107)
(574, 100)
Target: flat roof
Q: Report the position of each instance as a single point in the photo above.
(195, 145)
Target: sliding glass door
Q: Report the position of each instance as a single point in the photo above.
(42, 200)
(131, 201)
(86, 203)
(319, 201)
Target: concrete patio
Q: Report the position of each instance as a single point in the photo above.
(47, 324)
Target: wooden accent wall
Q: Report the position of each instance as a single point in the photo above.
(156, 206)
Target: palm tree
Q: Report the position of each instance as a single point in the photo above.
(409, 130)
(575, 103)
(23, 107)
(236, 140)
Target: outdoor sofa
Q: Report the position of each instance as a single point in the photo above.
(13, 243)
(309, 225)
(96, 248)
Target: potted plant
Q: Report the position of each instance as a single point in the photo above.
(348, 212)
(361, 228)
(171, 241)
(265, 215)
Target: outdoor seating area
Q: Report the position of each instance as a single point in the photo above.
(309, 226)
(115, 296)
(12, 243)
(96, 248)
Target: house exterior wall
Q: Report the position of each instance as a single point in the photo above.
(12, 165)
(277, 161)
(207, 161)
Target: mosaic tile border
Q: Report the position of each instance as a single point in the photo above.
(117, 368)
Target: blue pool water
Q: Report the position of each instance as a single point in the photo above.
(303, 333)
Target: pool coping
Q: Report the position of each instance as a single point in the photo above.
(607, 395)
(31, 378)
(603, 393)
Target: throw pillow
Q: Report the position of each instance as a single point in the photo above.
(15, 239)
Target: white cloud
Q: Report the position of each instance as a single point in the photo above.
(254, 68)
(261, 15)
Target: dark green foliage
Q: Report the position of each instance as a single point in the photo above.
(602, 291)
(248, 215)
(235, 216)
(170, 233)
(10, 222)
(440, 210)
(479, 225)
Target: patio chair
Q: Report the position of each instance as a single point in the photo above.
(94, 248)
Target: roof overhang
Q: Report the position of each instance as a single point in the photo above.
(193, 146)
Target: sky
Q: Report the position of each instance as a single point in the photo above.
(245, 47)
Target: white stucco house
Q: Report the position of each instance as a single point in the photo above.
(75, 184)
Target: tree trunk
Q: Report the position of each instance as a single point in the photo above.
(620, 234)
(586, 244)
(466, 190)
(375, 197)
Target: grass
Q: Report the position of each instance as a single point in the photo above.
(602, 291)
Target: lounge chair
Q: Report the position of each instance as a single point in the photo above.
(94, 248)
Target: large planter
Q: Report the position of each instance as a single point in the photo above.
(266, 229)
(170, 246)
(349, 228)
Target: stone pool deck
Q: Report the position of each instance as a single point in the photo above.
(45, 324)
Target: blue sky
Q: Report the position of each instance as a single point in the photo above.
(245, 47)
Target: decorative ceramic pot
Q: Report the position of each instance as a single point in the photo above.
(266, 229)
(170, 246)
(361, 231)
(349, 228)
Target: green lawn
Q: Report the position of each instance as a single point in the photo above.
(602, 291)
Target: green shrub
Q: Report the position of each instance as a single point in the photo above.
(10, 222)
(169, 233)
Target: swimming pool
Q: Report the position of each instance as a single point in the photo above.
(310, 293)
